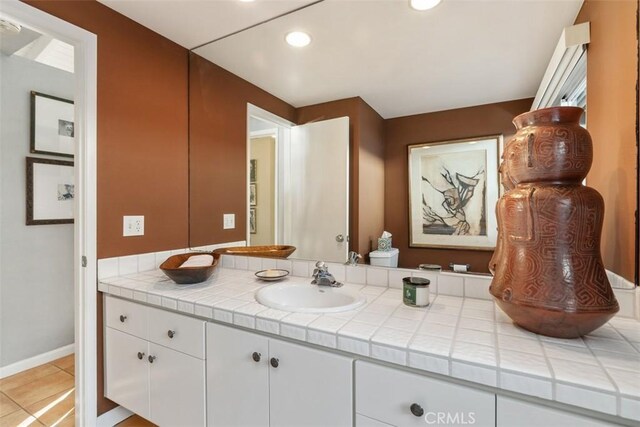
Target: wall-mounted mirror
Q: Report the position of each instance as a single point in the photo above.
(402, 77)
(298, 185)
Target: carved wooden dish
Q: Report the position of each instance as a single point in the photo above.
(188, 275)
(272, 251)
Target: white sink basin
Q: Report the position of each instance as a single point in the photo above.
(307, 298)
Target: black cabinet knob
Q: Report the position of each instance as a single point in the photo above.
(416, 410)
(171, 333)
(123, 318)
(140, 355)
(256, 356)
(274, 362)
(151, 359)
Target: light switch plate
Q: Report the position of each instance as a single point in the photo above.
(229, 221)
(133, 225)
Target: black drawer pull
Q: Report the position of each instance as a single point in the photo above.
(416, 410)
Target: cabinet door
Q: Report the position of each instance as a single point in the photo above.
(362, 421)
(127, 375)
(309, 387)
(513, 412)
(177, 388)
(404, 399)
(237, 385)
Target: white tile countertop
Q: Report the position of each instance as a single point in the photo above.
(466, 338)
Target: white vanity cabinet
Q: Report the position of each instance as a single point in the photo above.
(259, 381)
(154, 363)
(513, 412)
(387, 396)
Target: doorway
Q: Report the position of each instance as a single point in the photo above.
(263, 193)
(74, 196)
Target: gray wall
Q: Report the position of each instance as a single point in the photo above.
(36, 262)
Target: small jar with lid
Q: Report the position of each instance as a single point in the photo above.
(415, 291)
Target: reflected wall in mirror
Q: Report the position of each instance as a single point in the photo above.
(406, 78)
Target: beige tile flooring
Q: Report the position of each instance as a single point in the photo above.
(44, 395)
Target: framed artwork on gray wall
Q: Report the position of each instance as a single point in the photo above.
(50, 191)
(52, 125)
(453, 190)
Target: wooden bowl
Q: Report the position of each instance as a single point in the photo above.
(272, 251)
(188, 275)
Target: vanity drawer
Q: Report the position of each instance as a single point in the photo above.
(387, 395)
(126, 316)
(176, 331)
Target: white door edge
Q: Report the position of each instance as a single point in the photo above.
(86, 54)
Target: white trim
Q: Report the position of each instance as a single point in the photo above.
(264, 115)
(113, 417)
(570, 48)
(265, 132)
(37, 360)
(86, 54)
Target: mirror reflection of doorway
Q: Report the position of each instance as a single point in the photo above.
(262, 187)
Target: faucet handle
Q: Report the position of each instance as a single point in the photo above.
(353, 257)
(321, 269)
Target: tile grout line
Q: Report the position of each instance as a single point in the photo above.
(23, 408)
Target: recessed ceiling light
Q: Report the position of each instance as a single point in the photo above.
(246, 1)
(424, 4)
(298, 39)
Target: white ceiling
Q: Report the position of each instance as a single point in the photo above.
(400, 61)
(191, 23)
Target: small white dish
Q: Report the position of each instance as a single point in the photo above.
(272, 274)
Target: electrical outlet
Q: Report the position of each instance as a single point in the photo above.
(133, 225)
(229, 221)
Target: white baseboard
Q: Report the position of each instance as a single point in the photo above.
(113, 417)
(40, 359)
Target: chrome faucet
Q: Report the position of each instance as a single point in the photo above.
(322, 277)
(353, 257)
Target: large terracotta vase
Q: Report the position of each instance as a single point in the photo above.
(548, 271)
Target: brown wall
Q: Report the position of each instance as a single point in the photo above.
(461, 123)
(218, 149)
(366, 174)
(371, 178)
(612, 64)
(142, 129)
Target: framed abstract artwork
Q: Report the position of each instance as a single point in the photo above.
(453, 190)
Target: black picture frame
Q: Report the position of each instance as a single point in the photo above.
(49, 128)
(66, 192)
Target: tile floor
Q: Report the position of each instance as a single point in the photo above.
(44, 395)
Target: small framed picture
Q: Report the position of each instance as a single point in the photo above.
(253, 229)
(253, 194)
(50, 191)
(52, 125)
(453, 190)
(253, 170)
